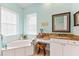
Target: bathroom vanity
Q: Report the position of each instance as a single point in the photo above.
(57, 45)
(63, 44)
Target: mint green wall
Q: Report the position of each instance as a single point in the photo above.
(45, 13)
(17, 9)
(74, 9)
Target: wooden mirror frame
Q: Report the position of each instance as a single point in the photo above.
(68, 22)
(75, 19)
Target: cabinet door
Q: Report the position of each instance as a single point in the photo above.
(71, 50)
(29, 50)
(56, 49)
(9, 52)
(20, 51)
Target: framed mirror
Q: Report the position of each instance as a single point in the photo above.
(76, 19)
(61, 22)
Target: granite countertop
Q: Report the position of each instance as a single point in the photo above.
(63, 36)
(69, 38)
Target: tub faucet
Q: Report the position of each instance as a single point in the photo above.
(1, 44)
(1, 39)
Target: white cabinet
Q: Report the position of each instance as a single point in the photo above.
(71, 50)
(56, 49)
(64, 48)
(29, 50)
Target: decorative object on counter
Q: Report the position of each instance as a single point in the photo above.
(23, 36)
(61, 22)
(76, 19)
(44, 25)
(41, 30)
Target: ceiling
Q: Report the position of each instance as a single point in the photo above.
(23, 5)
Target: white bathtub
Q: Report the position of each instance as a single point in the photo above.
(19, 43)
(19, 48)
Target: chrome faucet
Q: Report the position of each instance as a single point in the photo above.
(2, 40)
(3, 44)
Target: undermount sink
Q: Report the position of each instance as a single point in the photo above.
(42, 40)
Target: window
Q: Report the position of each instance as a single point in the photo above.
(31, 24)
(8, 22)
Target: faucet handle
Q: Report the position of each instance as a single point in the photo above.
(5, 46)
